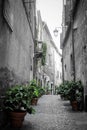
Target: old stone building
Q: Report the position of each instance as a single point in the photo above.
(50, 73)
(17, 33)
(74, 42)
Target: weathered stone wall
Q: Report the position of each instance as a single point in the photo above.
(80, 42)
(80, 45)
(15, 46)
(67, 51)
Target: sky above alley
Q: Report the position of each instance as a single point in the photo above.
(51, 13)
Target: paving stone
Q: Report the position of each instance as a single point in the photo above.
(53, 113)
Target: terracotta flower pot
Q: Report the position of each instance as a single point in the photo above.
(17, 118)
(74, 105)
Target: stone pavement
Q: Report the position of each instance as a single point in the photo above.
(52, 113)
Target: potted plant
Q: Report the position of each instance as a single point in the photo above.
(41, 91)
(76, 95)
(63, 89)
(73, 91)
(79, 96)
(34, 90)
(35, 97)
(17, 104)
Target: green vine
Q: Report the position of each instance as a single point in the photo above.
(44, 50)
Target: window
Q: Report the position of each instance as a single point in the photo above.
(65, 67)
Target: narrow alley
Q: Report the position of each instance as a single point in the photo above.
(43, 51)
(53, 113)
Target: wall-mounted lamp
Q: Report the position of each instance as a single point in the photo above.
(56, 31)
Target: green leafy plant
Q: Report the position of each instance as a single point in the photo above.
(35, 89)
(41, 91)
(63, 90)
(18, 98)
(68, 89)
(73, 91)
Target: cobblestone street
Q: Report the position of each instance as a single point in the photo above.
(52, 113)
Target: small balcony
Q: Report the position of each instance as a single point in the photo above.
(38, 49)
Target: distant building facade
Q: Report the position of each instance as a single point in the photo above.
(74, 42)
(50, 73)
